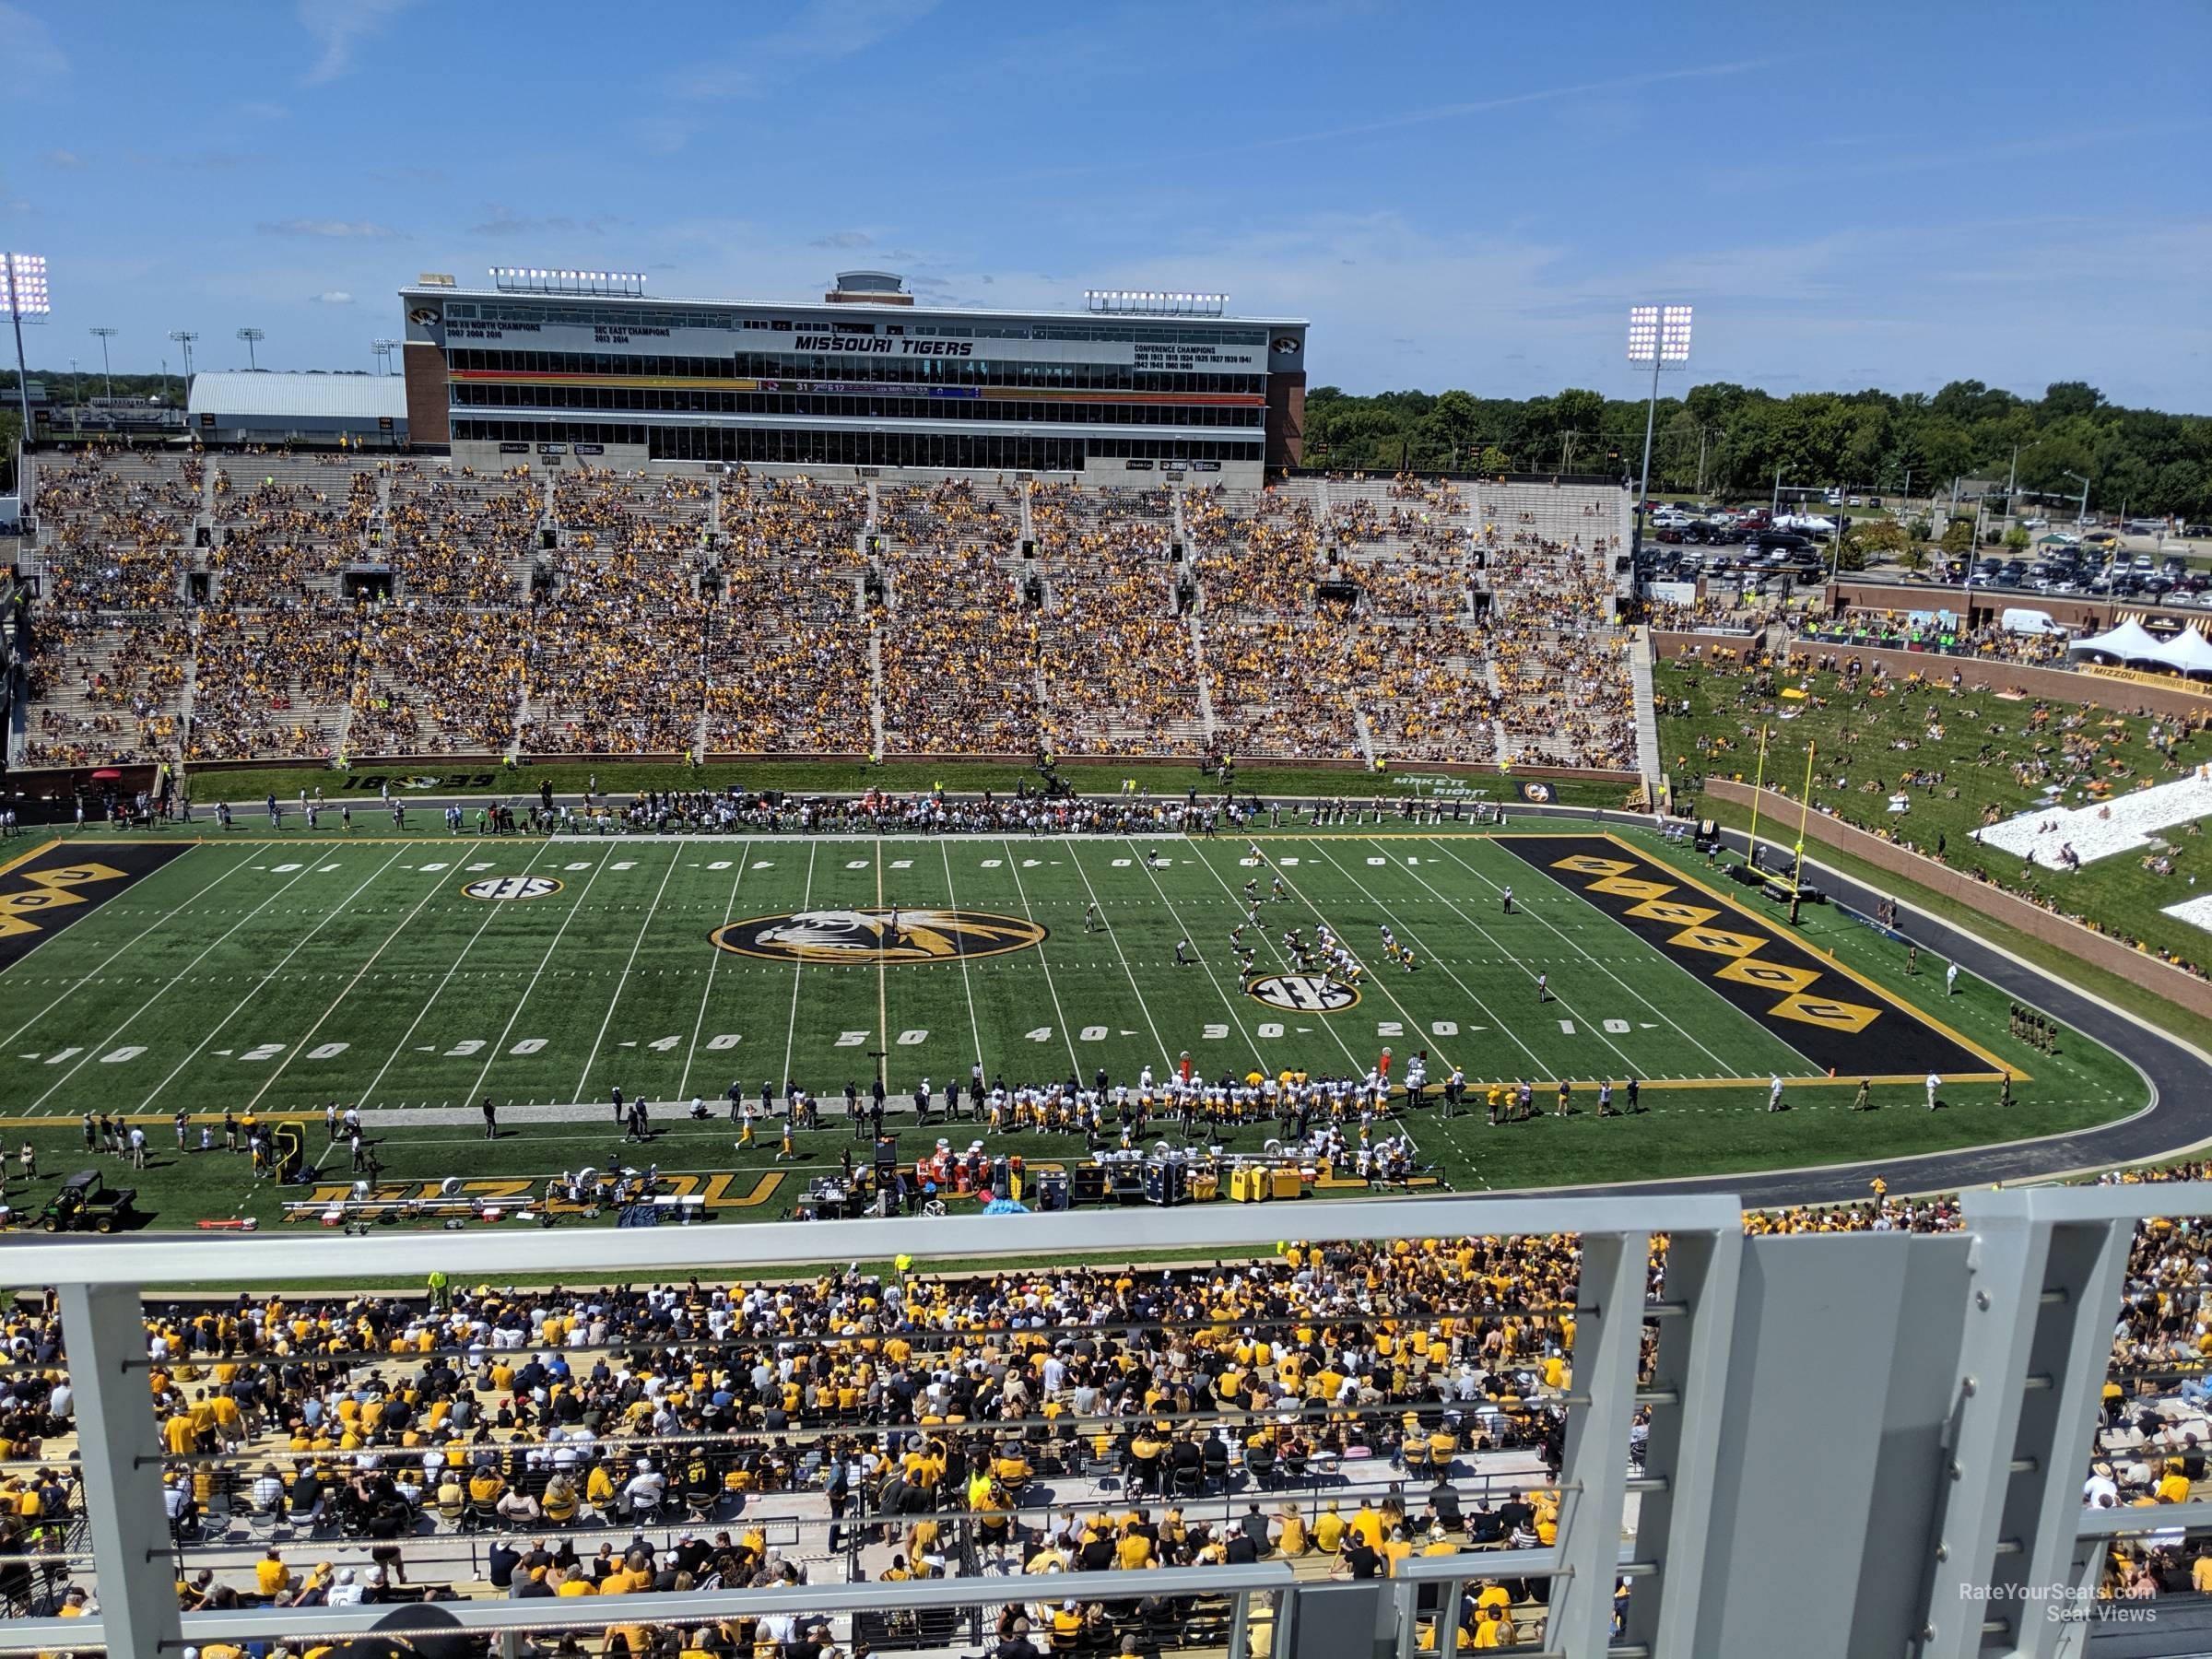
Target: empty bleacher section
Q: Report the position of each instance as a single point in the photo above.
(277, 605)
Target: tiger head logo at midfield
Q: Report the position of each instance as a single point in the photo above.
(880, 934)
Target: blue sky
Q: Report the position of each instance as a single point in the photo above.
(1456, 194)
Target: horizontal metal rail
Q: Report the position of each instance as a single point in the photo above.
(645, 1251)
(556, 1614)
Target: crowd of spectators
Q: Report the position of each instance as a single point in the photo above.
(1024, 1421)
(404, 605)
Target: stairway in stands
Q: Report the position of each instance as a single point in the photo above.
(1647, 713)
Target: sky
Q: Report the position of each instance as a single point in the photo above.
(1455, 194)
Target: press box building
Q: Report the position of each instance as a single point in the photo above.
(552, 364)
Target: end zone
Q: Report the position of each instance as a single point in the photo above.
(1809, 1001)
(43, 891)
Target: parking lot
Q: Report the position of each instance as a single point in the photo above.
(2130, 562)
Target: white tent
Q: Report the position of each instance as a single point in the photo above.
(2188, 652)
(2131, 642)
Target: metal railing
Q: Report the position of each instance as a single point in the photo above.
(1910, 1412)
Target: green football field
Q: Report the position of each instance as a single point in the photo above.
(416, 975)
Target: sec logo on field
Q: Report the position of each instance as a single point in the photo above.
(1302, 992)
(512, 886)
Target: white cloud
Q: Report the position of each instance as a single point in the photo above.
(334, 296)
(28, 46)
(338, 26)
(333, 227)
(503, 221)
(843, 238)
(821, 32)
(63, 157)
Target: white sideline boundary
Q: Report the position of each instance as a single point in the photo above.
(771, 837)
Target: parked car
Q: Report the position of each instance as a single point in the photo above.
(2035, 523)
(1780, 541)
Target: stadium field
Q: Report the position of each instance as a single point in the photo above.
(416, 975)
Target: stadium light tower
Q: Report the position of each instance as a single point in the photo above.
(252, 337)
(184, 337)
(381, 350)
(1658, 334)
(24, 276)
(105, 373)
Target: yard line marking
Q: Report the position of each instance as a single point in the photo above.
(1358, 1070)
(1725, 1068)
(883, 1011)
(952, 900)
(1236, 1013)
(212, 1030)
(700, 1024)
(367, 1095)
(1428, 1036)
(613, 1001)
(791, 1033)
(1167, 1060)
(25, 857)
(100, 967)
(1489, 1014)
(428, 892)
(1721, 1065)
(1014, 868)
(168, 985)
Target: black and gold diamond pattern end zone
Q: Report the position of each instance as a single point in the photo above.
(1830, 1017)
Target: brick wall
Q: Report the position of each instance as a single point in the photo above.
(429, 411)
(1981, 674)
(2174, 985)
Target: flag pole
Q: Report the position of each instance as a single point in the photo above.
(1805, 812)
(1759, 780)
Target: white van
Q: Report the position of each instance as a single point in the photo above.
(2027, 622)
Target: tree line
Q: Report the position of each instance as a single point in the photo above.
(1728, 442)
